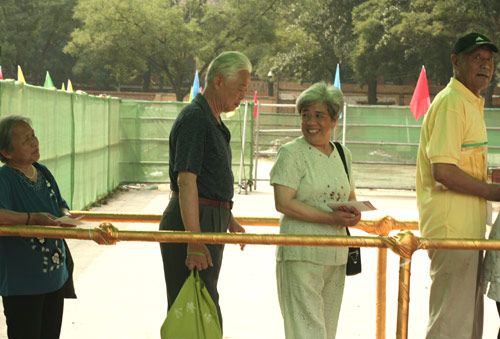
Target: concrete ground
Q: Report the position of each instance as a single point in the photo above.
(121, 290)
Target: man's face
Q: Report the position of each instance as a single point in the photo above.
(233, 91)
(474, 69)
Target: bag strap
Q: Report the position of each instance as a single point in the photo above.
(342, 156)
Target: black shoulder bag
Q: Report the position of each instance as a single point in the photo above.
(353, 266)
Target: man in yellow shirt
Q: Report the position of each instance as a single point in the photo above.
(452, 189)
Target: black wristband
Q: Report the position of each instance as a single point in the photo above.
(28, 219)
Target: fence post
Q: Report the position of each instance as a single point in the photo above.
(381, 293)
(403, 298)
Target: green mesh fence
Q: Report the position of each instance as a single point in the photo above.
(78, 137)
(52, 116)
(92, 144)
(383, 141)
(144, 132)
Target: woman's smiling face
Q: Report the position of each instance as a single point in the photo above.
(317, 125)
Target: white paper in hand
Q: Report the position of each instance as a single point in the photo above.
(65, 220)
(361, 206)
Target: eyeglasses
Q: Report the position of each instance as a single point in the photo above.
(318, 116)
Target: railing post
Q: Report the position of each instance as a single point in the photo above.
(381, 293)
(403, 298)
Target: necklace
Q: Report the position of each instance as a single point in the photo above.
(33, 172)
(32, 176)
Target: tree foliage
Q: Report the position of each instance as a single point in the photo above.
(131, 37)
(314, 36)
(104, 44)
(32, 35)
(378, 50)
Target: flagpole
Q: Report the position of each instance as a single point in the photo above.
(242, 158)
(344, 123)
(257, 130)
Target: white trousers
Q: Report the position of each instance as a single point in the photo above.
(310, 297)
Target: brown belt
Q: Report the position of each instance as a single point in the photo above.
(209, 202)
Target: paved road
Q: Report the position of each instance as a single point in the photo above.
(122, 294)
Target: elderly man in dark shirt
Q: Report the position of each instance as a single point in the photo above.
(201, 177)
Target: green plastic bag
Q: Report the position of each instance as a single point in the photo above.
(193, 314)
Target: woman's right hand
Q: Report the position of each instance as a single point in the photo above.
(198, 256)
(346, 217)
(45, 219)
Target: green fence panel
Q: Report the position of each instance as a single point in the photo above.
(51, 115)
(114, 143)
(93, 144)
(383, 141)
(78, 137)
(96, 147)
(144, 131)
(387, 134)
(390, 134)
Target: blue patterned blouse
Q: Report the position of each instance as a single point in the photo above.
(31, 265)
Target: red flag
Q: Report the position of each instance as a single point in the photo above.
(1, 75)
(420, 101)
(255, 105)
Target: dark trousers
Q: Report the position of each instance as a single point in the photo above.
(212, 219)
(34, 316)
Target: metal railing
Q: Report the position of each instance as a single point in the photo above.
(404, 244)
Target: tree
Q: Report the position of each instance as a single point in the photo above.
(32, 34)
(131, 37)
(379, 52)
(313, 37)
(486, 19)
(430, 28)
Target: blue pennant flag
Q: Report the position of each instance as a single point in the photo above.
(196, 85)
(336, 83)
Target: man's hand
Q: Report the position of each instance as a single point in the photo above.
(198, 256)
(235, 227)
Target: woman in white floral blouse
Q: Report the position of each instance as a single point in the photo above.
(307, 175)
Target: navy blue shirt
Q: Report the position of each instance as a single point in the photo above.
(200, 145)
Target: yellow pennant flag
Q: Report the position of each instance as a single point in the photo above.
(63, 88)
(70, 86)
(20, 75)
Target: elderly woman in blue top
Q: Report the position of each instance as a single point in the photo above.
(35, 273)
(307, 175)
